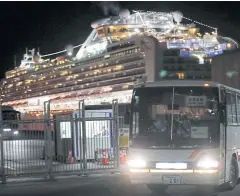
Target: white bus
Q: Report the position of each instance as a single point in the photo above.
(184, 133)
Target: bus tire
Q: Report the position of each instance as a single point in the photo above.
(234, 173)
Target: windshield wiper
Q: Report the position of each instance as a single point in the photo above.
(194, 146)
(156, 147)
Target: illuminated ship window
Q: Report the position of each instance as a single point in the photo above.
(10, 85)
(36, 68)
(180, 75)
(125, 86)
(117, 68)
(75, 76)
(63, 73)
(41, 78)
(28, 81)
(16, 79)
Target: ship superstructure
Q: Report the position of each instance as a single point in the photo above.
(119, 52)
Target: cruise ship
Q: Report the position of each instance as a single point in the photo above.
(119, 52)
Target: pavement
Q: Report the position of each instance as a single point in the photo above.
(99, 185)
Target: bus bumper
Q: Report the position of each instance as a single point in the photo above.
(185, 177)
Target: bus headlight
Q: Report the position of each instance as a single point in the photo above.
(137, 163)
(15, 132)
(207, 163)
(7, 129)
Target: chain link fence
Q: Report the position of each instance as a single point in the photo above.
(80, 142)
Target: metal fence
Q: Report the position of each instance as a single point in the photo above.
(80, 143)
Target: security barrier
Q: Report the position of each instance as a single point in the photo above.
(79, 142)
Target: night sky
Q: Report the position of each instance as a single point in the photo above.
(52, 25)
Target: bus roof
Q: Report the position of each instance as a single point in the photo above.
(187, 83)
(167, 83)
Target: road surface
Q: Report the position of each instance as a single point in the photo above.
(90, 186)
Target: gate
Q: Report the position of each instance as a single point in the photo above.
(80, 142)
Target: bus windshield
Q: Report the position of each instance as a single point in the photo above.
(175, 117)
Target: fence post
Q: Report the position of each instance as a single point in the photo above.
(116, 133)
(83, 135)
(78, 133)
(48, 138)
(2, 148)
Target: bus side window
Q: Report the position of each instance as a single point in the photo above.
(127, 116)
(238, 109)
(228, 108)
(234, 108)
(231, 108)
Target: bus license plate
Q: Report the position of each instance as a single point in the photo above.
(171, 180)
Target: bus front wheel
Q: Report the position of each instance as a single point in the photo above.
(234, 173)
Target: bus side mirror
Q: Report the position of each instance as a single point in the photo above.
(126, 118)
